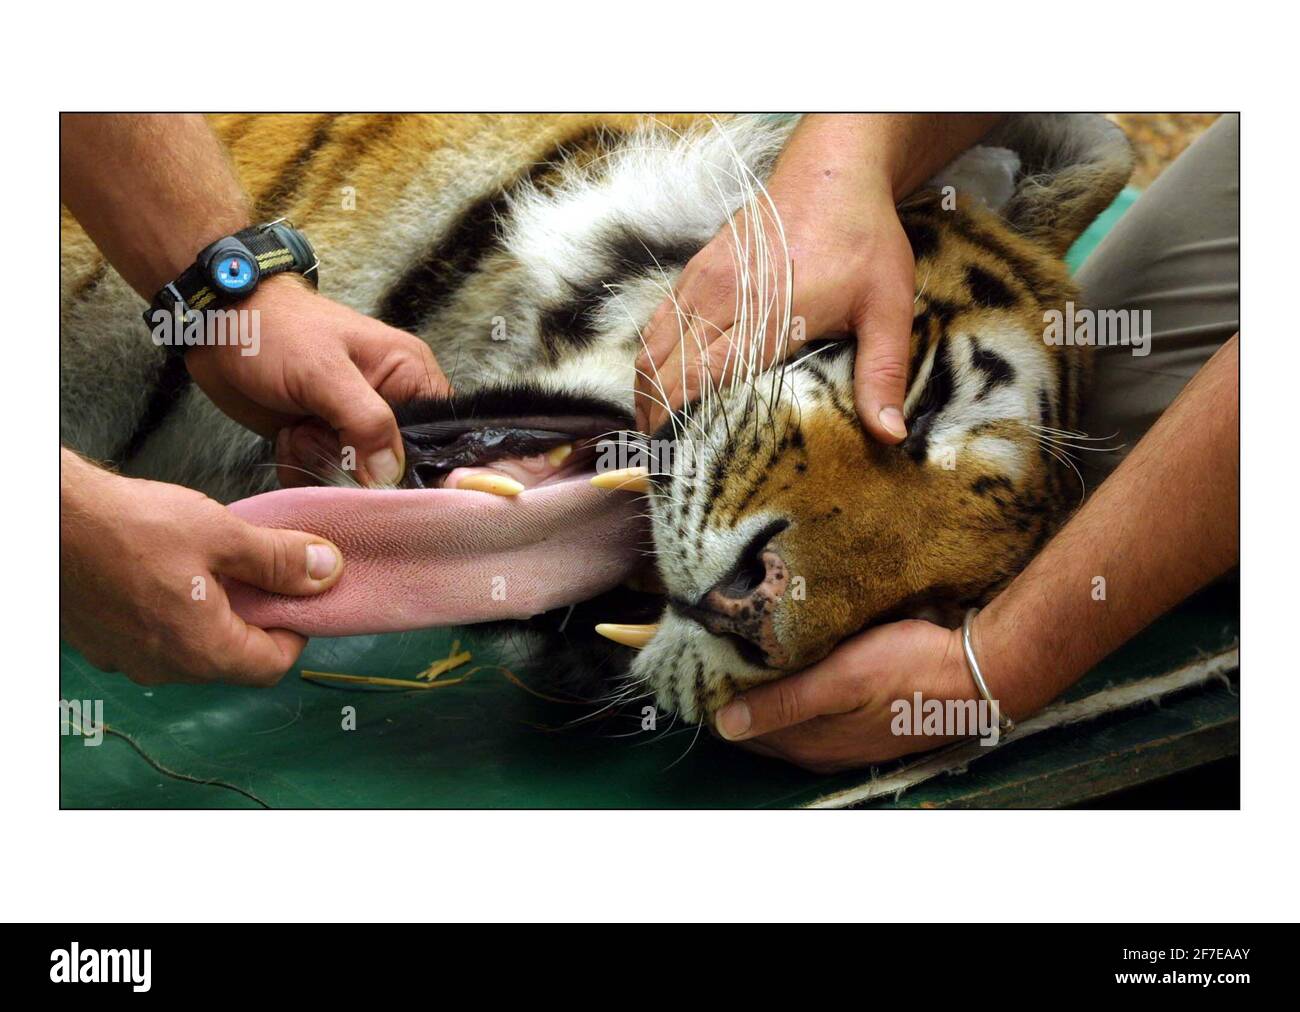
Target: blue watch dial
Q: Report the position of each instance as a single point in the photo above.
(233, 272)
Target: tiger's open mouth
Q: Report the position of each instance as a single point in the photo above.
(503, 455)
(498, 518)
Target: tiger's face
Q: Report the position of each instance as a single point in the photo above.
(791, 529)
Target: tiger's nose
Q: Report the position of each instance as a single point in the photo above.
(743, 603)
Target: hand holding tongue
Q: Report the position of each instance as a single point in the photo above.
(431, 557)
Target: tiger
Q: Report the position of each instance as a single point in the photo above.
(789, 529)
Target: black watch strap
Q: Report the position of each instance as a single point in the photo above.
(276, 248)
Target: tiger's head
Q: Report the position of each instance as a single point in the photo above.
(787, 529)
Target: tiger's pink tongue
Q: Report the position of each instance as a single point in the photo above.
(431, 557)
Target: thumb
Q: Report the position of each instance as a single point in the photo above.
(282, 562)
(790, 700)
(880, 368)
(363, 420)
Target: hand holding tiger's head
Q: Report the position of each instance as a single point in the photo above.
(792, 529)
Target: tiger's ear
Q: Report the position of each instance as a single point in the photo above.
(1072, 165)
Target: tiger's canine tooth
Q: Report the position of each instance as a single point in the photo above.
(625, 479)
(634, 636)
(559, 454)
(497, 484)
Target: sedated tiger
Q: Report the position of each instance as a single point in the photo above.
(530, 251)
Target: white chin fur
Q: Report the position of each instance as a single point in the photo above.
(670, 665)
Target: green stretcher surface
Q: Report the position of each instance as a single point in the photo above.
(486, 743)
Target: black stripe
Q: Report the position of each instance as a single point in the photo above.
(173, 380)
(1045, 409)
(983, 485)
(278, 195)
(813, 369)
(988, 290)
(628, 253)
(921, 328)
(764, 476)
(1044, 288)
(624, 257)
(943, 311)
(713, 493)
(923, 236)
(431, 280)
(996, 369)
(370, 134)
(934, 398)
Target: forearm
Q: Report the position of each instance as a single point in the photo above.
(1159, 528)
(894, 151)
(78, 492)
(150, 191)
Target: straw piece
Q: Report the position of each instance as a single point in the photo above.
(427, 679)
(455, 660)
(429, 674)
(400, 683)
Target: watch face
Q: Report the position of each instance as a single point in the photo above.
(233, 271)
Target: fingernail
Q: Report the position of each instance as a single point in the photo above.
(322, 560)
(892, 419)
(733, 720)
(383, 467)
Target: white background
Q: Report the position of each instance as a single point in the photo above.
(215, 866)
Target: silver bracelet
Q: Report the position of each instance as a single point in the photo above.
(1005, 723)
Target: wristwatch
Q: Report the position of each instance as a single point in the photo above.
(230, 269)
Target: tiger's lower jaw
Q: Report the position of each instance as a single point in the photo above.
(691, 673)
(664, 661)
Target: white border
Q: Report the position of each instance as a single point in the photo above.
(650, 866)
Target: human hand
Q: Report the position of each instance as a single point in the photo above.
(140, 594)
(321, 379)
(837, 714)
(853, 275)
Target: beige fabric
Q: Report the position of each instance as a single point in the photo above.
(1174, 253)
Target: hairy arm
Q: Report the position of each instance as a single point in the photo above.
(1162, 526)
(151, 191)
(892, 152)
